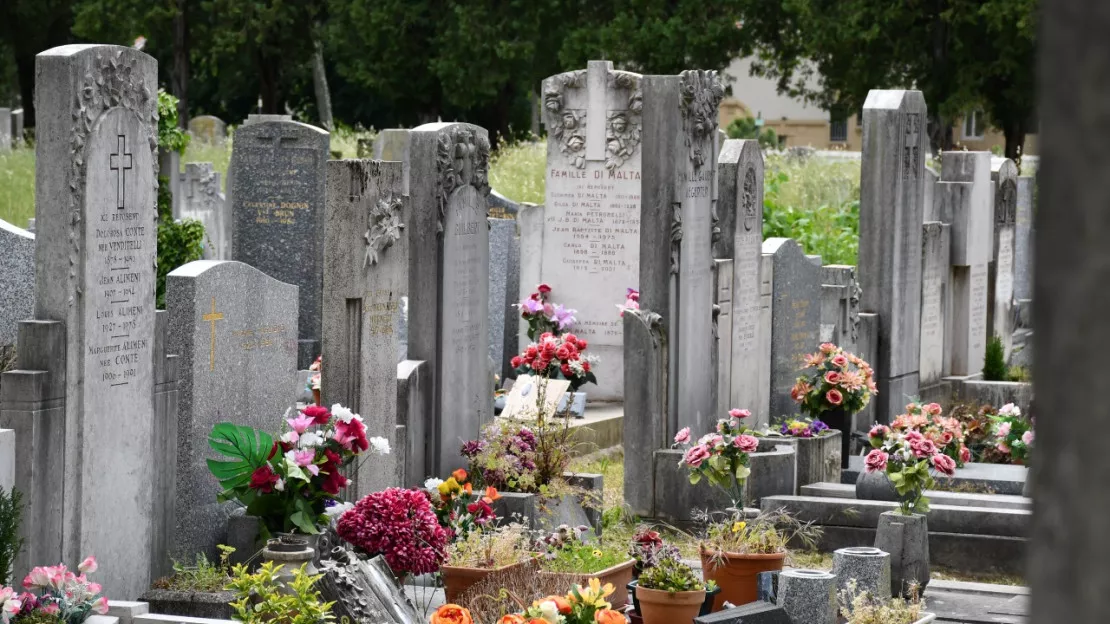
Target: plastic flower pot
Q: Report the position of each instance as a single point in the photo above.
(457, 580)
(658, 606)
(736, 574)
(619, 575)
(706, 605)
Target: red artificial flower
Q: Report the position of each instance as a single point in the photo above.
(531, 352)
(571, 338)
(319, 414)
(586, 366)
(543, 288)
(399, 524)
(263, 479)
(566, 369)
(273, 451)
(581, 345)
(334, 482)
(563, 352)
(516, 361)
(481, 510)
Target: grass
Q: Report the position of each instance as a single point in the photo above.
(517, 171)
(17, 186)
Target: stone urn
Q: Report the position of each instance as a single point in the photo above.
(875, 486)
(868, 567)
(291, 551)
(906, 538)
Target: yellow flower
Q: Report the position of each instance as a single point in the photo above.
(598, 554)
(448, 486)
(738, 526)
(594, 595)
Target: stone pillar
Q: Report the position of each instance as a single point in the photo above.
(1000, 304)
(935, 300)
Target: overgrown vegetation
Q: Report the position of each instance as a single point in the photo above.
(17, 186)
(748, 128)
(11, 510)
(201, 576)
(814, 201)
(179, 241)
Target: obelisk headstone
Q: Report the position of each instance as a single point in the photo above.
(1000, 305)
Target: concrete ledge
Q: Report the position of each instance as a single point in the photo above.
(984, 589)
(602, 428)
(942, 518)
(773, 473)
(998, 478)
(974, 554)
(936, 497)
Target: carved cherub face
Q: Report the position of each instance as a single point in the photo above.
(619, 123)
(570, 122)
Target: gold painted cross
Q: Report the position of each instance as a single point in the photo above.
(212, 318)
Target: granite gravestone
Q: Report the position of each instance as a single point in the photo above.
(5, 129)
(963, 199)
(840, 306)
(204, 200)
(1000, 304)
(1023, 238)
(276, 194)
(208, 129)
(504, 263)
(234, 329)
(795, 318)
(740, 173)
(722, 325)
(891, 211)
(17, 281)
(935, 263)
(591, 237)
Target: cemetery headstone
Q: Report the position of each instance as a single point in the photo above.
(393, 144)
(17, 281)
(935, 268)
(276, 194)
(840, 294)
(1000, 305)
(891, 212)
(591, 238)
(5, 129)
(17, 127)
(763, 338)
(208, 129)
(234, 329)
(795, 318)
(205, 201)
(504, 263)
(1023, 238)
(722, 326)
(254, 118)
(501, 207)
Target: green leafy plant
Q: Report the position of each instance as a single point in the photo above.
(248, 449)
(747, 128)
(994, 361)
(565, 550)
(11, 510)
(766, 534)
(263, 599)
(201, 576)
(179, 243)
(170, 136)
(671, 575)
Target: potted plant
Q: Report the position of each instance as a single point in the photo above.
(54, 594)
(907, 459)
(585, 604)
(721, 457)
(568, 556)
(399, 524)
(839, 385)
(195, 590)
(481, 553)
(262, 598)
(859, 607)
(669, 591)
(734, 551)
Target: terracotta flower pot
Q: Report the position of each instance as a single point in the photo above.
(619, 575)
(663, 607)
(457, 580)
(736, 574)
(316, 396)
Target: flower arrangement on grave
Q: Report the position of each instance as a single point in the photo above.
(481, 553)
(838, 382)
(313, 385)
(456, 507)
(516, 457)
(400, 525)
(721, 456)
(556, 357)
(907, 457)
(543, 316)
(1013, 434)
(670, 591)
(289, 483)
(946, 433)
(54, 594)
(262, 597)
(631, 301)
(803, 428)
(586, 603)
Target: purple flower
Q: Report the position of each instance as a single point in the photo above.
(530, 306)
(818, 426)
(472, 448)
(563, 317)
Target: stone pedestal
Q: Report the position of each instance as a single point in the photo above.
(906, 538)
(868, 567)
(808, 596)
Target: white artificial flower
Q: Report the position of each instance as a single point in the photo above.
(280, 485)
(343, 414)
(310, 439)
(380, 445)
(1009, 409)
(338, 509)
(290, 437)
(549, 611)
(433, 484)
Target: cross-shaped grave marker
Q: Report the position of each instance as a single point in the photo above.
(120, 162)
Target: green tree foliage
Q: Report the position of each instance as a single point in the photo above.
(28, 27)
(746, 128)
(994, 361)
(11, 510)
(179, 242)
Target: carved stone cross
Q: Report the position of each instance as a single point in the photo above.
(120, 162)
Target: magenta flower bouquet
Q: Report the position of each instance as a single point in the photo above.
(400, 525)
(543, 316)
(721, 457)
(907, 458)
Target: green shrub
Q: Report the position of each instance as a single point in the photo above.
(170, 136)
(179, 242)
(815, 202)
(11, 509)
(747, 128)
(994, 362)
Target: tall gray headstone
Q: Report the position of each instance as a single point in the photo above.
(95, 211)
(234, 330)
(935, 269)
(1000, 305)
(393, 144)
(276, 193)
(5, 129)
(591, 239)
(840, 293)
(964, 200)
(1023, 238)
(795, 318)
(17, 280)
(763, 338)
(449, 305)
(17, 127)
(722, 324)
(204, 200)
(740, 177)
(208, 129)
(503, 318)
(892, 193)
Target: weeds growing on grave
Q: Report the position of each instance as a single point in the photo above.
(11, 510)
(859, 607)
(994, 361)
(202, 575)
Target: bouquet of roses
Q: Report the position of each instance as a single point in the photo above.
(907, 458)
(839, 380)
(946, 433)
(456, 507)
(803, 428)
(543, 316)
(54, 594)
(290, 482)
(1013, 434)
(556, 357)
(721, 456)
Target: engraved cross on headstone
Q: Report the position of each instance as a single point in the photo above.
(211, 320)
(911, 150)
(120, 162)
(276, 142)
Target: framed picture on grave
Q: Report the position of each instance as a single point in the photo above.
(520, 404)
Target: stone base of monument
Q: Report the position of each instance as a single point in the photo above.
(676, 500)
(973, 477)
(535, 513)
(142, 612)
(212, 605)
(818, 458)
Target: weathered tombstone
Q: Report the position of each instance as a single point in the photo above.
(393, 144)
(234, 329)
(208, 129)
(1000, 304)
(1023, 238)
(203, 200)
(591, 238)
(935, 268)
(963, 199)
(722, 326)
(17, 281)
(276, 194)
(891, 211)
(763, 339)
(5, 129)
(740, 178)
(95, 200)
(449, 181)
(840, 306)
(368, 275)
(795, 318)
(17, 127)
(254, 118)
(504, 261)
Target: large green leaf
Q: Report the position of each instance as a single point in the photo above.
(247, 448)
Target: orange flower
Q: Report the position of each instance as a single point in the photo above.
(460, 475)
(609, 616)
(537, 621)
(491, 494)
(511, 618)
(560, 603)
(451, 614)
(469, 490)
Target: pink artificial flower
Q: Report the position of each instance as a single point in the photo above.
(832, 378)
(875, 461)
(739, 413)
(37, 578)
(813, 359)
(1004, 429)
(878, 431)
(305, 459)
(946, 438)
(913, 436)
(746, 443)
(933, 409)
(683, 436)
(840, 361)
(965, 454)
(695, 455)
(828, 348)
(100, 607)
(51, 609)
(1027, 437)
(300, 424)
(1002, 447)
(711, 440)
(88, 566)
(923, 447)
(944, 464)
(834, 397)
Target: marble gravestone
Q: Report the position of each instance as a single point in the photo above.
(795, 318)
(96, 207)
(1023, 238)
(205, 201)
(208, 129)
(276, 194)
(17, 280)
(504, 276)
(935, 263)
(892, 195)
(1000, 304)
(234, 329)
(6, 130)
(591, 236)
(840, 306)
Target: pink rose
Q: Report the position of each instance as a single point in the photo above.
(840, 361)
(834, 397)
(695, 455)
(965, 454)
(100, 606)
(946, 438)
(683, 436)
(828, 348)
(878, 431)
(933, 409)
(832, 378)
(944, 464)
(1002, 447)
(739, 413)
(923, 447)
(1027, 437)
(88, 566)
(1004, 430)
(746, 443)
(875, 461)
(913, 436)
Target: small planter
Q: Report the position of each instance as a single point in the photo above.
(706, 605)
(663, 607)
(906, 538)
(457, 580)
(619, 575)
(209, 605)
(736, 574)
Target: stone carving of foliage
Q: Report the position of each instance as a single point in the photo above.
(384, 229)
(462, 159)
(676, 237)
(566, 127)
(702, 92)
(623, 127)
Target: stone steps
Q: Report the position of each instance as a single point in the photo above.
(936, 497)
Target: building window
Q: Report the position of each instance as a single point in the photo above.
(973, 125)
(838, 130)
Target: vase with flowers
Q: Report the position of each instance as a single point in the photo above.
(54, 594)
(835, 385)
(721, 456)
